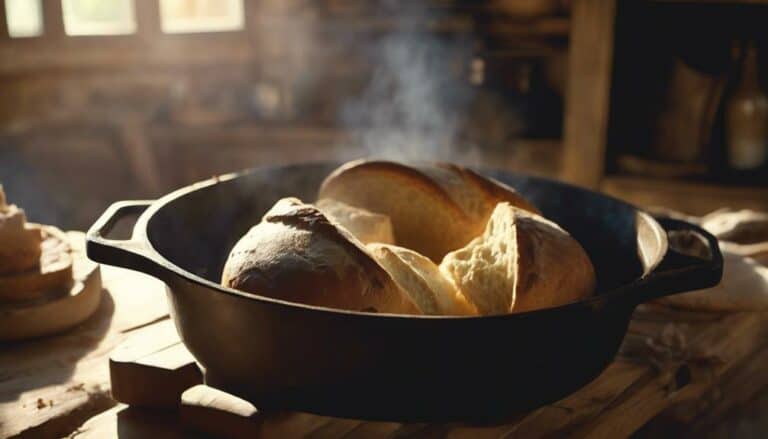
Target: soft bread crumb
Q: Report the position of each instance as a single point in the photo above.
(485, 270)
(419, 277)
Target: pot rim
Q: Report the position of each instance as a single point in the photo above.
(594, 301)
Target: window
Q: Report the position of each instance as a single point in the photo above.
(24, 18)
(98, 17)
(186, 16)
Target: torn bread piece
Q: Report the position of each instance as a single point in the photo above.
(416, 274)
(20, 242)
(521, 262)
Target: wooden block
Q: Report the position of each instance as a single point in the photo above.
(54, 313)
(153, 368)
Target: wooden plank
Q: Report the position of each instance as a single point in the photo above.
(53, 21)
(695, 417)
(50, 386)
(689, 197)
(741, 384)
(148, 20)
(623, 398)
(589, 84)
(152, 368)
(3, 22)
(708, 356)
(585, 404)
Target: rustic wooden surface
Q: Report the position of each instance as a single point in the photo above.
(689, 197)
(52, 315)
(50, 386)
(671, 359)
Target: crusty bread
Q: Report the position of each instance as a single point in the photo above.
(19, 242)
(416, 274)
(434, 208)
(296, 254)
(53, 272)
(364, 225)
(521, 262)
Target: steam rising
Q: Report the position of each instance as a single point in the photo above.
(416, 99)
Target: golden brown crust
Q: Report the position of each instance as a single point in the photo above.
(553, 269)
(397, 170)
(497, 192)
(18, 258)
(309, 218)
(296, 254)
(434, 208)
(521, 262)
(52, 271)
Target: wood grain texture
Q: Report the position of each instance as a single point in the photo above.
(670, 358)
(589, 84)
(50, 386)
(689, 197)
(152, 368)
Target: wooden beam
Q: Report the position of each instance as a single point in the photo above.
(3, 22)
(53, 20)
(589, 84)
(148, 19)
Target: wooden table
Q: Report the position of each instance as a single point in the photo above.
(691, 366)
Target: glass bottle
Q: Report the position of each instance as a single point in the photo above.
(746, 117)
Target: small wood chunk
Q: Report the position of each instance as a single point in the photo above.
(152, 369)
(55, 312)
(211, 411)
(52, 275)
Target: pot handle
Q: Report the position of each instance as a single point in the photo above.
(131, 253)
(679, 272)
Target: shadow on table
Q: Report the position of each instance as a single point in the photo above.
(137, 423)
(46, 361)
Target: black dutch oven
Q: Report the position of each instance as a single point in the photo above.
(283, 355)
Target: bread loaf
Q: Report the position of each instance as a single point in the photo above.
(296, 254)
(53, 272)
(364, 225)
(19, 242)
(418, 276)
(521, 262)
(434, 209)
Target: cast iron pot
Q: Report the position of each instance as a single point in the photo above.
(283, 355)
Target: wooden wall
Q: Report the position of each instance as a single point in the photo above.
(85, 121)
